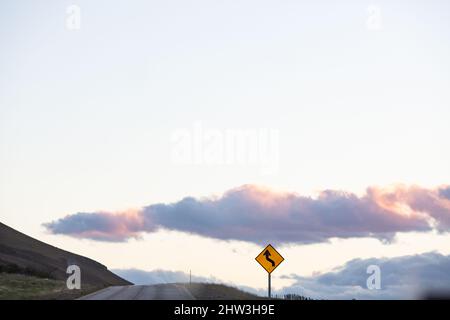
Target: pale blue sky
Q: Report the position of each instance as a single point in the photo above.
(86, 115)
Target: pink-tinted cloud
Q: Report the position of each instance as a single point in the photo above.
(102, 226)
(256, 214)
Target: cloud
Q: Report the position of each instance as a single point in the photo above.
(256, 214)
(101, 225)
(445, 192)
(407, 277)
(141, 277)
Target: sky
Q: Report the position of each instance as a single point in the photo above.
(181, 136)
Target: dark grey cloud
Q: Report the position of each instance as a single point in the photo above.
(259, 215)
(406, 277)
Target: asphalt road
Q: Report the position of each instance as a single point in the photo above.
(151, 292)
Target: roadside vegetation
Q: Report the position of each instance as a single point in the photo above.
(15, 286)
(211, 291)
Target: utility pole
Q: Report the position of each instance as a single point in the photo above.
(190, 277)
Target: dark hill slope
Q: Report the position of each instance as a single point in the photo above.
(20, 253)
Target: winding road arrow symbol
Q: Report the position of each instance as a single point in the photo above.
(267, 254)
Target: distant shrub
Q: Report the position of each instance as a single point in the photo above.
(293, 296)
(14, 268)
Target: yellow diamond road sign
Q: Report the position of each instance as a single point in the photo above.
(269, 258)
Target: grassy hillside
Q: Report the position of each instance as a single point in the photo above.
(26, 260)
(19, 286)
